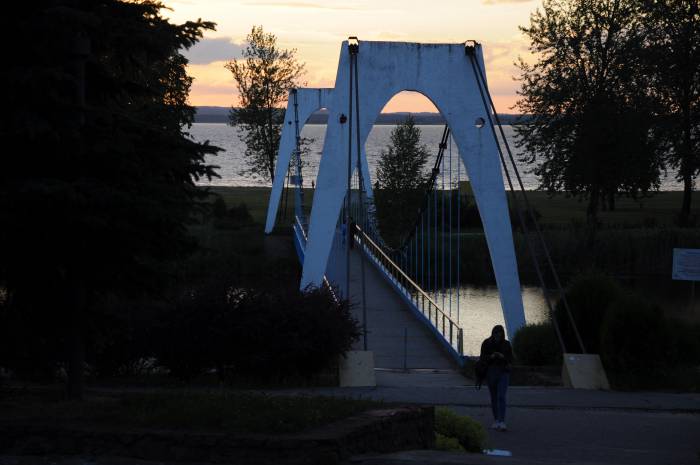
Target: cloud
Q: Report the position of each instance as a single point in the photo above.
(309, 5)
(496, 2)
(210, 50)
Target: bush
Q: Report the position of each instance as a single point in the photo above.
(240, 214)
(263, 334)
(589, 297)
(286, 333)
(233, 218)
(32, 338)
(120, 341)
(468, 432)
(448, 444)
(186, 341)
(218, 208)
(636, 340)
(537, 344)
(686, 341)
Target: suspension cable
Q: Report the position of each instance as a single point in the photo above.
(354, 49)
(299, 200)
(538, 230)
(349, 187)
(490, 108)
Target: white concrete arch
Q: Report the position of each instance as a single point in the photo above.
(444, 74)
(309, 100)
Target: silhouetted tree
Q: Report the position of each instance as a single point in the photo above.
(590, 131)
(264, 77)
(97, 179)
(401, 181)
(673, 61)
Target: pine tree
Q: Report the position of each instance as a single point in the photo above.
(401, 181)
(97, 193)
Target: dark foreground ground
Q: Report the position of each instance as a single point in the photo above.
(555, 425)
(546, 425)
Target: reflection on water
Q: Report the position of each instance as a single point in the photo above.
(479, 309)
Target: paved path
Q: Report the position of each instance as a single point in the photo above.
(563, 436)
(389, 321)
(549, 425)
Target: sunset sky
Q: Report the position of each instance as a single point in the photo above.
(317, 27)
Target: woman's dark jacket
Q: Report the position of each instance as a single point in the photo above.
(490, 346)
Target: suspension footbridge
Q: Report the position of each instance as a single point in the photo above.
(405, 297)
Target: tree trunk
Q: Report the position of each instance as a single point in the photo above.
(687, 167)
(592, 210)
(270, 145)
(611, 201)
(77, 303)
(687, 197)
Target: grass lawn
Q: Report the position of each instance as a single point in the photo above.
(257, 198)
(658, 210)
(223, 411)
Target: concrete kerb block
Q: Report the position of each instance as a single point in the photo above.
(356, 369)
(584, 371)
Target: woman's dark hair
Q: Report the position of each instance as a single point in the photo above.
(498, 329)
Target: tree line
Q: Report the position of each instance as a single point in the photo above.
(614, 94)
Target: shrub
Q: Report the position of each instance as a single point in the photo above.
(185, 339)
(266, 334)
(285, 333)
(589, 297)
(636, 341)
(232, 218)
(31, 340)
(468, 432)
(240, 214)
(218, 208)
(120, 342)
(537, 344)
(448, 444)
(686, 341)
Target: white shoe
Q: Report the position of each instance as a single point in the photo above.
(502, 426)
(496, 425)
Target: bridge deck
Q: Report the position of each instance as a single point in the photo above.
(388, 318)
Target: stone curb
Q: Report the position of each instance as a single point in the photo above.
(375, 431)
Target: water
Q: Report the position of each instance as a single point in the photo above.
(232, 161)
(480, 309)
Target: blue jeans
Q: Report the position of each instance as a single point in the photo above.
(497, 380)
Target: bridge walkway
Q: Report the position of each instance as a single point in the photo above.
(395, 334)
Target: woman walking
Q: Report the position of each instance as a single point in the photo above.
(497, 353)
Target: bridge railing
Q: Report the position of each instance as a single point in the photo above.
(300, 244)
(439, 320)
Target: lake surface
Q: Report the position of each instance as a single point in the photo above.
(232, 160)
(478, 309)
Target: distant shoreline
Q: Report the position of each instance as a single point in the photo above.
(221, 115)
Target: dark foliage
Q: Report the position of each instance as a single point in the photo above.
(588, 297)
(401, 182)
(469, 433)
(264, 77)
(537, 344)
(96, 196)
(636, 339)
(268, 335)
(672, 29)
(590, 134)
(120, 344)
